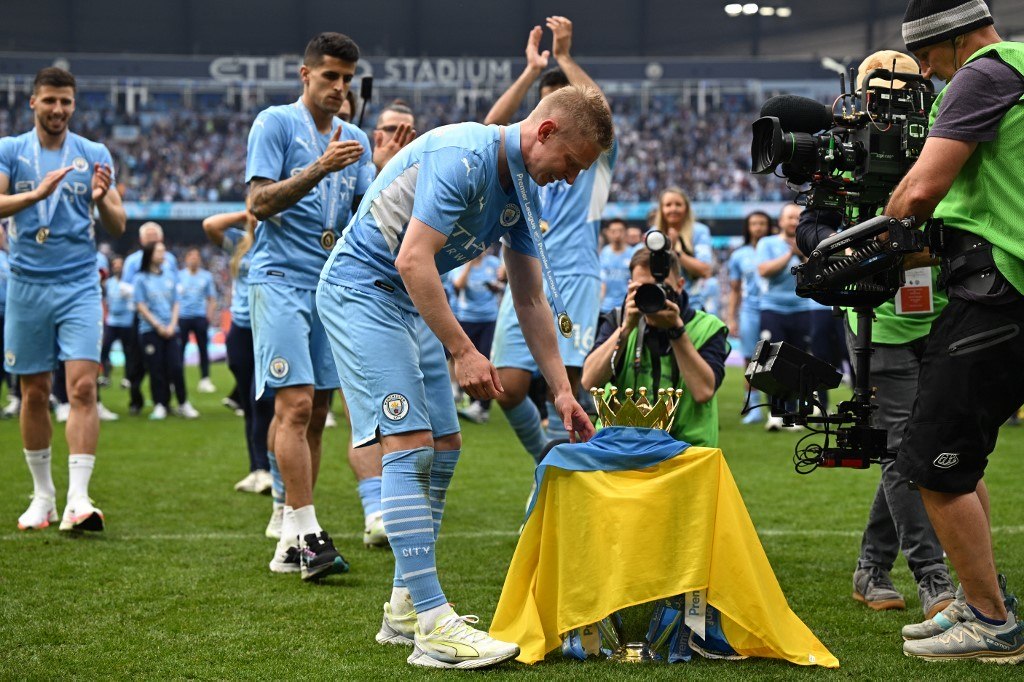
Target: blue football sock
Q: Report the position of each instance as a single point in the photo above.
(556, 430)
(277, 483)
(441, 472)
(369, 494)
(524, 419)
(405, 501)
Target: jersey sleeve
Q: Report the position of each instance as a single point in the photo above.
(446, 183)
(267, 144)
(139, 291)
(518, 238)
(976, 101)
(101, 154)
(735, 272)
(367, 171)
(7, 157)
(232, 238)
(702, 246)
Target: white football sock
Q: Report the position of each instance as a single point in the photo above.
(289, 531)
(305, 521)
(401, 601)
(79, 473)
(39, 465)
(427, 620)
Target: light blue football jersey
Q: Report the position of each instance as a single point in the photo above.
(133, 263)
(478, 302)
(193, 290)
(571, 217)
(240, 283)
(66, 249)
(779, 293)
(615, 276)
(120, 303)
(290, 247)
(743, 268)
(448, 179)
(159, 293)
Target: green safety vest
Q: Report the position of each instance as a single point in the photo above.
(695, 423)
(987, 196)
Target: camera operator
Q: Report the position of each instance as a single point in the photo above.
(679, 347)
(897, 519)
(968, 175)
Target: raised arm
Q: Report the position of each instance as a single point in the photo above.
(216, 225)
(536, 61)
(108, 200)
(561, 31)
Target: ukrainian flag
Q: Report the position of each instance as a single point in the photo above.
(636, 516)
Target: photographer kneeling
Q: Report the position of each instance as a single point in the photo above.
(671, 347)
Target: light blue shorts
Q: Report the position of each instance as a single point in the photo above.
(393, 370)
(750, 330)
(47, 322)
(582, 298)
(289, 342)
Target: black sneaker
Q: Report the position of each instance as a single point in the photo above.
(319, 559)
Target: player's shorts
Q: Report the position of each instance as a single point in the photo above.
(392, 367)
(968, 386)
(47, 322)
(750, 329)
(582, 297)
(289, 342)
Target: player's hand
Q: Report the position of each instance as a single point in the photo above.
(631, 318)
(385, 152)
(561, 31)
(340, 153)
(101, 177)
(477, 376)
(734, 328)
(574, 418)
(50, 182)
(535, 59)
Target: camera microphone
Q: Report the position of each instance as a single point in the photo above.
(798, 114)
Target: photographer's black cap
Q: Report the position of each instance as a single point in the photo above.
(928, 22)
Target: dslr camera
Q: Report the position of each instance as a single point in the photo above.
(650, 298)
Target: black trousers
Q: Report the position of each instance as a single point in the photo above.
(482, 336)
(199, 326)
(163, 362)
(258, 413)
(135, 366)
(111, 334)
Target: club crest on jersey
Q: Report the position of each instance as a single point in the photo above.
(510, 215)
(395, 406)
(80, 164)
(10, 358)
(947, 460)
(279, 368)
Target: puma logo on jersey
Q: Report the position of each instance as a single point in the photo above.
(469, 169)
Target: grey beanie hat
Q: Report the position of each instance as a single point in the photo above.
(928, 22)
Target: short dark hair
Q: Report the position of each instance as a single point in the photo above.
(553, 78)
(337, 45)
(617, 220)
(54, 77)
(399, 106)
(642, 258)
(747, 238)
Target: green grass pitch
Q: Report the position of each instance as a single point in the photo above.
(178, 585)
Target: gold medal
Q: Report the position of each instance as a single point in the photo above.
(565, 325)
(42, 235)
(327, 240)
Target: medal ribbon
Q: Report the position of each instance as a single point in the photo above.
(522, 182)
(48, 207)
(329, 207)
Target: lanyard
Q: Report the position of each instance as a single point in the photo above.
(523, 183)
(329, 207)
(48, 207)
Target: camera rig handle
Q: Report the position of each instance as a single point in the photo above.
(861, 266)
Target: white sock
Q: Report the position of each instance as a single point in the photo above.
(39, 465)
(79, 473)
(289, 531)
(401, 601)
(427, 620)
(305, 521)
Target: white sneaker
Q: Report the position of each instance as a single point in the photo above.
(264, 482)
(206, 386)
(186, 411)
(773, 423)
(454, 644)
(276, 521)
(13, 407)
(247, 484)
(41, 512)
(474, 413)
(105, 414)
(400, 630)
(125, 384)
(373, 532)
(286, 558)
(159, 413)
(80, 514)
(330, 422)
(62, 411)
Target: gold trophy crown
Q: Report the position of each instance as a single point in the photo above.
(635, 409)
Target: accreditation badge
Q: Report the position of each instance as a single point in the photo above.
(327, 240)
(915, 296)
(42, 235)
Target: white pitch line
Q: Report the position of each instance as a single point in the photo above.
(471, 535)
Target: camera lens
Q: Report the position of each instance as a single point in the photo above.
(650, 298)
